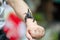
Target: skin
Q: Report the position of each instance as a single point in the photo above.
(34, 31)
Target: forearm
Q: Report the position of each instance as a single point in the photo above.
(20, 7)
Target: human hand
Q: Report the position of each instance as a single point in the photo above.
(34, 31)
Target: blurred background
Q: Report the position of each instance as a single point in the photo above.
(47, 14)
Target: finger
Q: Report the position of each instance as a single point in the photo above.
(28, 35)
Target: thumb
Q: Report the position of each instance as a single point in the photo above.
(28, 35)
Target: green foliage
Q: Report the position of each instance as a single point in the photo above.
(38, 17)
(55, 36)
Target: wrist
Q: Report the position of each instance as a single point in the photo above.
(29, 21)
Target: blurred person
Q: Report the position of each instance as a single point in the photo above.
(2, 22)
(11, 27)
(10, 23)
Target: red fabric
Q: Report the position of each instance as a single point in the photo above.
(14, 18)
(11, 26)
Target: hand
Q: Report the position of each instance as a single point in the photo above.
(34, 31)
